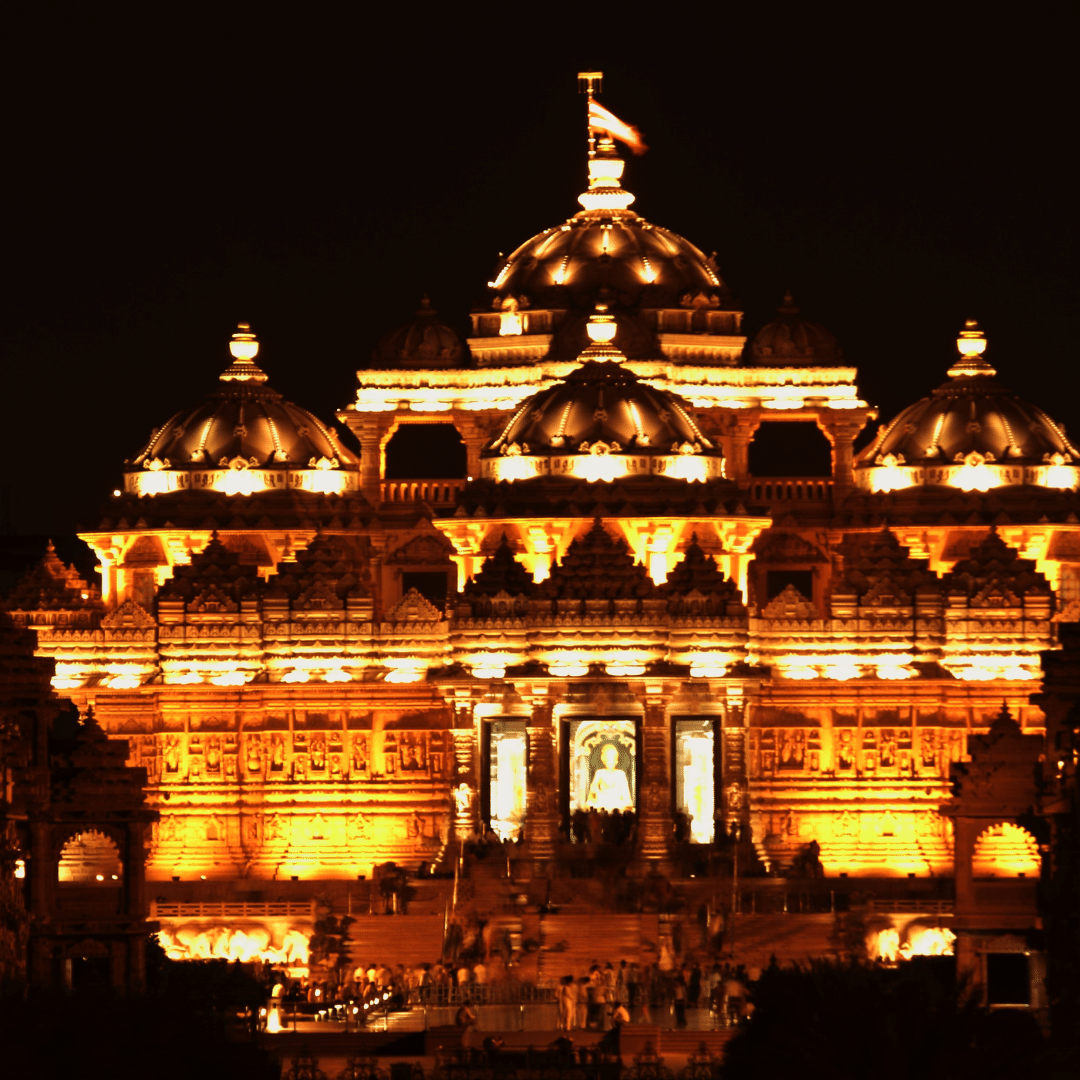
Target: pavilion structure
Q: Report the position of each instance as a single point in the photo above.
(323, 669)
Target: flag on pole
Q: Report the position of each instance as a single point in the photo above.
(602, 120)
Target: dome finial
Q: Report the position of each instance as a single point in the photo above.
(244, 347)
(971, 344)
(601, 329)
(605, 166)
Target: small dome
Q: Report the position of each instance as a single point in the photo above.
(972, 433)
(602, 410)
(241, 438)
(790, 339)
(423, 343)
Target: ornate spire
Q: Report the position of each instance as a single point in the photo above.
(971, 344)
(605, 193)
(244, 347)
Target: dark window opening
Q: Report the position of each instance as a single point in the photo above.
(776, 581)
(790, 448)
(425, 452)
(1007, 981)
(430, 584)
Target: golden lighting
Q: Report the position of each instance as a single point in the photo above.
(972, 341)
(886, 945)
(1005, 850)
(975, 474)
(601, 326)
(246, 946)
(243, 345)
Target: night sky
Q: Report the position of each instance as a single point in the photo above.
(900, 168)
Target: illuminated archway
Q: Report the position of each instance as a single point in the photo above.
(90, 858)
(1005, 850)
(790, 448)
(425, 451)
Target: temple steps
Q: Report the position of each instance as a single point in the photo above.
(395, 939)
(788, 937)
(571, 944)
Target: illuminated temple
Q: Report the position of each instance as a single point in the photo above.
(789, 686)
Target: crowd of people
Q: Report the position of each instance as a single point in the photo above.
(642, 993)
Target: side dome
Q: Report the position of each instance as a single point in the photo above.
(791, 339)
(242, 438)
(600, 423)
(424, 343)
(971, 433)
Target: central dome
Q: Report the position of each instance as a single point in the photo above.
(608, 253)
(601, 422)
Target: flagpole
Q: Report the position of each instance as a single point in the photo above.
(590, 83)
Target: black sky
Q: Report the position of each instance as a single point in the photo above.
(899, 167)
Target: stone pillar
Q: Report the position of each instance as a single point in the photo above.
(737, 434)
(734, 787)
(370, 434)
(842, 433)
(654, 798)
(466, 791)
(542, 804)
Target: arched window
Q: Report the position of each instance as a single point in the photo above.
(1005, 850)
(425, 452)
(790, 448)
(90, 858)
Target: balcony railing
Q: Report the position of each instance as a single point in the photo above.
(162, 909)
(435, 492)
(809, 489)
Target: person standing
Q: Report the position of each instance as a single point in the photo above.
(566, 997)
(679, 1000)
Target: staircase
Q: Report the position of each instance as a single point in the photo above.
(571, 944)
(395, 939)
(790, 937)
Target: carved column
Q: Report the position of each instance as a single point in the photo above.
(654, 801)
(734, 793)
(466, 792)
(541, 806)
(842, 434)
(370, 434)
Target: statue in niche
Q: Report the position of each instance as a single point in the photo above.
(654, 798)
(357, 829)
(408, 761)
(335, 765)
(359, 754)
(254, 754)
(815, 760)
(213, 754)
(277, 753)
(299, 767)
(318, 753)
(734, 796)
(418, 752)
(849, 824)
(414, 826)
(609, 789)
(463, 799)
(845, 756)
(929, 750)
(170, 830)
(230, 767)
(888, 749)
(275, 828)
(172, 753)
(253, 829)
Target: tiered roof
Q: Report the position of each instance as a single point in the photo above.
(50, 586)
(994, 575)
(216, 574)
(501, 573)
(598, 566)
(698, 583)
